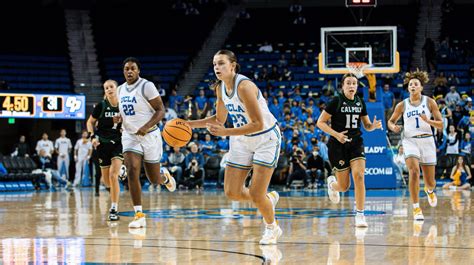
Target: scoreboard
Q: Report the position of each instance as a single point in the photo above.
(42, 106)
(361, 3)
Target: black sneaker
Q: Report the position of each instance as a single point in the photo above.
(113, 215)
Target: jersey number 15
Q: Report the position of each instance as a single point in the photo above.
(351, 121)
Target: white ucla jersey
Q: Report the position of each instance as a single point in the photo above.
(236, 108)
(412, 123)
(133, 104)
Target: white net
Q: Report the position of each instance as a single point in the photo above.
(357, 68)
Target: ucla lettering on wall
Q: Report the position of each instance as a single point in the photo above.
(379, 172)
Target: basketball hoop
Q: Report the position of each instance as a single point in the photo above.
(357, 68)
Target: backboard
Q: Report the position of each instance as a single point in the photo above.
(376, 46)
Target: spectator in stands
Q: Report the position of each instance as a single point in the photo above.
(194, 178)
(445, 113)
(45, 144)
(281, 99)
(274, 75)
(458, 113)
(323, 148)
(441, 80)
(307, 60)
(295, 109)
(201, 104)
(316, 168)
(223, 144)
(195, 138)
(282, 62)
(430, 54)
(452, 148)
(447, 6)
(286, 75)
(388, 99)
(63, 147)
(82, 154)
(328, 87)
(293, 60)
(297, 168)
(399, 160)
(21, 149)
(44, 161)
(208, 146)
(453, 80)
(441, 139)
(460, 174)
(466, 147)
(266, 47)
(175, 101)
(275, 108)
(452, 97)
(176, 162)
(170, 113)
(262, 75)
(194, 155)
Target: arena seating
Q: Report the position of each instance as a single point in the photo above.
(19, 176)
(164, 50)
(34, 53)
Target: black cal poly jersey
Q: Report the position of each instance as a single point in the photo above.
(107, 129)
(346, 114)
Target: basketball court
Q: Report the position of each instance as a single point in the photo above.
(206, 228)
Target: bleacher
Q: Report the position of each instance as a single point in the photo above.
(147, 34)
(459, 59)
(307, 77)
(19, 176)
(34, 53)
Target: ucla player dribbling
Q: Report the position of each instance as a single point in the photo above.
(141, 108)
(254, 140)
(418, 141)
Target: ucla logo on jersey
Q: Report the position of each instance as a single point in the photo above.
(232, 108)
(414, 113)
(128, 99)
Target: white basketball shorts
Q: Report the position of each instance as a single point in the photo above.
(261, 149)
(150, 146)
(422, 148)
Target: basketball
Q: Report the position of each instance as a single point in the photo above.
(177, 132)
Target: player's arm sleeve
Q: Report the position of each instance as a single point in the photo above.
(149, 91)
(97, 111)
(332, 106)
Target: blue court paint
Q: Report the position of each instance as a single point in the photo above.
(251, 213)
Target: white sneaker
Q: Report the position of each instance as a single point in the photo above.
(274, 198)
(432, 199)
(360, 233)
(360, 221)
(139, 221)
(271, 254)
(418, 214)
(333, 195)
(171, 185)
(271, 235)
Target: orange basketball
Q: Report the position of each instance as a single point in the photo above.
(177, 132)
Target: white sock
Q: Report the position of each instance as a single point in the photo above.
(359, 212)
(429, 191)
(272, 225)
(137, 208)
(416, 205)
(114, 206)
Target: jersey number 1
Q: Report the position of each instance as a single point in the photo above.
(417, 122)
(351, 121)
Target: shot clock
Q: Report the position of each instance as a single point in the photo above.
(42, 106)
